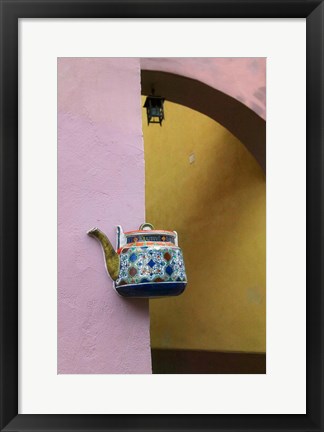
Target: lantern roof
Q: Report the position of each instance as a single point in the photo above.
(153, 99)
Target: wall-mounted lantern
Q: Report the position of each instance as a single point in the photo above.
(154, 109)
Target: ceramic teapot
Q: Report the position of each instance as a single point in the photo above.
(147, 263)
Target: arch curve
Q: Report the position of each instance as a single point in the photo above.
(240, 120)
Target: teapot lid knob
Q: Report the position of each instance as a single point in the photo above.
(146, 227)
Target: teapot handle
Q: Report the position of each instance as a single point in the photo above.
(146, 227)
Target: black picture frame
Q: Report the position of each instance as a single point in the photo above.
(11, 11)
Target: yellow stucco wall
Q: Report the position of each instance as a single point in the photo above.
(204, 184)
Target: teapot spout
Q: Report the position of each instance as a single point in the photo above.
(111, 256)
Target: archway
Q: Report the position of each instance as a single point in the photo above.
(225, 180)
(240, 120)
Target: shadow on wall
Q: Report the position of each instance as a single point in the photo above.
(203, 183)
(167, 361)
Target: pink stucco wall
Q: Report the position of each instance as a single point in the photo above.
(100, 183)
(242, 78)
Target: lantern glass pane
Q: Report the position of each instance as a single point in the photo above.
(155, 111)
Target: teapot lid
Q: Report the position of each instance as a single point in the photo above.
(147, 228)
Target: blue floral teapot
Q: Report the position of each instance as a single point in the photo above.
(147, 263)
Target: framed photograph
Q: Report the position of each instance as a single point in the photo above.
(161, 215)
